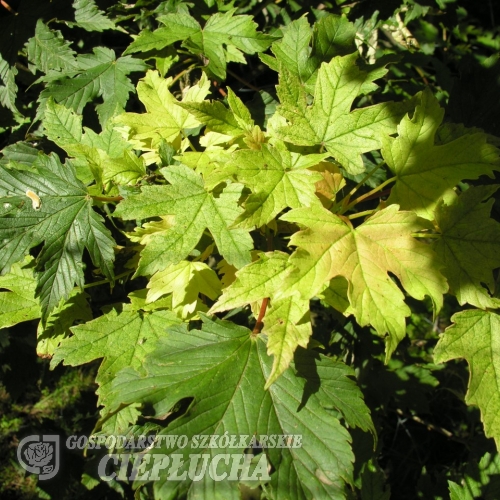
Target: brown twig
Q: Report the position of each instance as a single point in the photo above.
(385, 192)
(259, 325)
(8, 7)
(242, 80)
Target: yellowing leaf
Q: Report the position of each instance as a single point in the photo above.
(474, 337)
(425, 171)
(184, 281)
(469, 246)
(287, 325)
(164, 119)
(365, 256)
(255, 281)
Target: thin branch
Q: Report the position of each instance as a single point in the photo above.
(242, 80)
(107, 199)
(369, 194)
(347, 198)
(8, 7)
(259, 325)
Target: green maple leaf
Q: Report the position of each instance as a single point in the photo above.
(224, 368)
(277, 178)
(90, 18)
(286, 322)
(121, 337)
(195, 209)
(18, 304)
(8, 91)
(223, 38)
(329, 121)
(64, 221)
(365, 255)
(48, 50)
(469, 246)
(184, 281)
(424, 171)
(331, 36)
(234, 121)
(474, 337)
(164, 119)
(101, 75)
(107, 155)
(63, 317)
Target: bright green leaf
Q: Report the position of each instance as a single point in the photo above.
(425, 172)
(90, 18)
(277, 178)
(194, 209)
(329, 121)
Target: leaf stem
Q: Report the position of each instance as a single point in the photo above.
(104, 282)
(361, 214)
(258, 326)
(8, 7)
(182, 73)
(242, 80)
(367, 195)
(107, 199)
(347, 198)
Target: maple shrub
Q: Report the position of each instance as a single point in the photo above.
(230, 236)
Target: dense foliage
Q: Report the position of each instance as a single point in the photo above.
(258, 218)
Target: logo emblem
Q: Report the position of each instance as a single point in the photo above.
(40, 455)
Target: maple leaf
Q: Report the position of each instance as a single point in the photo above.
(286, 322)
(365, 255)
(223, 38)
(221, 366)
(469, 246)
(48, 50)
(287, 325)
(331, 36)
(329, 121)
(107, 155)
(194, 209)
(277, 178)
(425, 171)
(18, 304)
(8, 91)
(90, 18)
(62, 219)
(474, 337)
(184, 281)
(164, 119)
(256, 281)
(121, 337)
(233, 121)
(101, 75)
